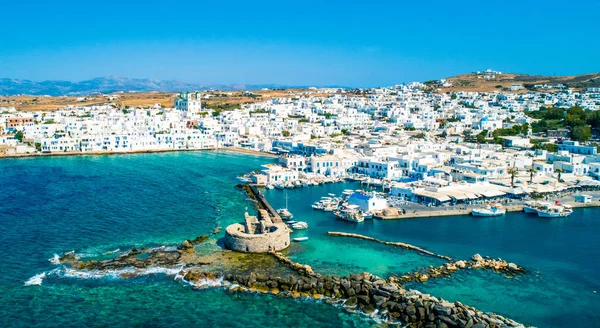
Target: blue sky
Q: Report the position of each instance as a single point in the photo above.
(348, 43)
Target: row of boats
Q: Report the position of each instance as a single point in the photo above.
(288, 217)
(340, 207)
(542, 209)
(303, 183)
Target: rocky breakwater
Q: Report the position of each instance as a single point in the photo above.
(366, 293)
(476, 262)
(139, 259)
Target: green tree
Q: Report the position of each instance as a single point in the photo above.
(285, 133)
(560, 172)
(513, 172)
(531, 171)
(581, 133)
(480, 138)
(345, 132)
(19, 136)
(593, 119)
(525, 129)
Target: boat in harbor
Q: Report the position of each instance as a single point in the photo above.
(300, 239)
(269, 186)
(284, 213)
(531, 207)
(555, 211)
(491, 210)
(350, 213)
(300, 225)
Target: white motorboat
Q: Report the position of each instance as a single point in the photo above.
(300, 225)
(299, 239)
(279, 186)
(269, 186)
(317, 206)
(492, 210)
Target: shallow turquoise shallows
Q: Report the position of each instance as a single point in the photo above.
(97, 204)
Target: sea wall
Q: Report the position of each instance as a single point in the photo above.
(238, 240)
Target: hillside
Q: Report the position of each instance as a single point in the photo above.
(217, 99)
(107, 85)
(501, 82)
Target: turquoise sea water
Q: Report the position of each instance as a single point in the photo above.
(96, 204)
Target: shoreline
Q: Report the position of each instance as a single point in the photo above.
(133, 152)
(461, 212)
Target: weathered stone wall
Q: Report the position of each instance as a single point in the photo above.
(236, 239)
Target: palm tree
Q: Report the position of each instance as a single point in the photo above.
(559, 171)
(531, 171)
(513, 172)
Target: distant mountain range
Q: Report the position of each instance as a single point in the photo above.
(10, 87)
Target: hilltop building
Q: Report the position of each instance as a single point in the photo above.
(188, 102)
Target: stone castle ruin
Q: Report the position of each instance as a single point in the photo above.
(258, 234)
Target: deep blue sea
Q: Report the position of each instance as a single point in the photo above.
(98, 204)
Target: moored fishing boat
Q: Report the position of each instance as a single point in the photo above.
(555, 211)
(531, 207)
(299, 239)
(349, 213)
(492, 210)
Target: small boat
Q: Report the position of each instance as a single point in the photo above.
(531, 207)
(300, 239)
(349, 213)
(317, 206)
(331, 195)
(279, 186)
(284, 213)
(367, 215)
(292, 222)
(492, 210)
(555, 211)
(300, 225)
(269, 186)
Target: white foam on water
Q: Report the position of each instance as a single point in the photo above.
(160, 270)
(128, 272)
(206, 283)
(35, 280)
(55, 259)
(113, 251)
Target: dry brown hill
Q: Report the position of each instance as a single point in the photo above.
(501, 82)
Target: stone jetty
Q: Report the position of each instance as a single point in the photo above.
(391, 243)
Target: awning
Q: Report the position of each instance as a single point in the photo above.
(492, 193)
(434, 195)
(471, 195)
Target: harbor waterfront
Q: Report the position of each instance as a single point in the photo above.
(102, 205)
